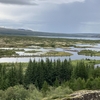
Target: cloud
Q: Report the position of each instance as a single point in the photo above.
(17, 12)
(60, 1)
(90, 27)
(91, 23)
(19, 2)
(17, 16)
(35, 2)
(68, 16)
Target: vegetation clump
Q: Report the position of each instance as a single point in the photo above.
(33, 51)
(56, 53)
(4, 52)
(89, 53)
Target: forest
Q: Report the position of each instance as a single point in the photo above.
(46, 80)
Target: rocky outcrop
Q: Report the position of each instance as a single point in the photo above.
(84, 95)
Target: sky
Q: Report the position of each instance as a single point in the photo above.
(60, 16)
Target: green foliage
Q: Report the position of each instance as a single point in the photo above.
(12, 76)
(56, 83)
(93, 83)
(34, 93)
(4, 52)
(96, 83)
(96, 72)
(45, 88)
(29, 73)
(20, 75)
(14, 93)
(3, 80)
(58, 93)
(80, 70)
(78, 84)
(18, 92)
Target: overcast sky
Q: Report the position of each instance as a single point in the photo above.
(63, 16)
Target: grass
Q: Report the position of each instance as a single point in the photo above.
(86, 61)
(56, 53)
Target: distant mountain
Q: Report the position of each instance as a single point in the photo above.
(25, 32)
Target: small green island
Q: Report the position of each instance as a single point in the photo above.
(33, 51)
(7, 53)
(89, 53)
(56, 53)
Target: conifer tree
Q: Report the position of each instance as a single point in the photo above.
(80, 70)
(12, 76)
(20, 74)
(29, 73)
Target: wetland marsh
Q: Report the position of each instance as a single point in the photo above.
(22, 49)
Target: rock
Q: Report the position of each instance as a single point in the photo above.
(84, 95)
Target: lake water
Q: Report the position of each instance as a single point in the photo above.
(26, 59)
(96, 65)
(84, 38)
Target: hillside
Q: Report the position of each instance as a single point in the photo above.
(24, 32)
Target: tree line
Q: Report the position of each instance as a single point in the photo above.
(54, 73)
